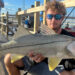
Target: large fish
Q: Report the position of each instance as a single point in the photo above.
(55, 47)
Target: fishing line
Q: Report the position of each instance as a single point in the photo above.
(68, 15)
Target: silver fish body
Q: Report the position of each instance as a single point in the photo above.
(48, 45)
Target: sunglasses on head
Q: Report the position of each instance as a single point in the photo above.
(57, 16)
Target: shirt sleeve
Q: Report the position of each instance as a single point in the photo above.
(28, 63)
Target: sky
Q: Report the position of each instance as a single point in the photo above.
(13, 5)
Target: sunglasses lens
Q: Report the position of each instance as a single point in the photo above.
(49, 16)
(58, 17)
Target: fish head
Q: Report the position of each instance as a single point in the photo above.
(71, 48)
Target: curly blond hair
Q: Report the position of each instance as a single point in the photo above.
(56, 6)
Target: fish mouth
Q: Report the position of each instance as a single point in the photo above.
(71, 48)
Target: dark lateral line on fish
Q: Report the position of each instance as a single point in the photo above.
(2, 41)
(32, 45)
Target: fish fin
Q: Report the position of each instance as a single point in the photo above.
(46, 30)
(53, 62)
(12, 42)
(15, 57)
(71, 48)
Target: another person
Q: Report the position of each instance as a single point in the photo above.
(26, 25)
(55, 13)
(67, 26)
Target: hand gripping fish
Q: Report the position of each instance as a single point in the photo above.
(55, 47)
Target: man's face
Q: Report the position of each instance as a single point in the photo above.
(53, 23)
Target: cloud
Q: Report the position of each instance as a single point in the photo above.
(3, 9)
(10, 10)
(8, 7)
(8, 4)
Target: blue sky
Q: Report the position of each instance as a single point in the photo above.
(13, 5)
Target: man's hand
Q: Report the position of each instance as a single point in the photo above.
(36, 57)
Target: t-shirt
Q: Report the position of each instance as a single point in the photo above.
(64, 32)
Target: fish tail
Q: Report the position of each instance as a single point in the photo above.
(53, 62)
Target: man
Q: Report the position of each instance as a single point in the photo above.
(55, 12)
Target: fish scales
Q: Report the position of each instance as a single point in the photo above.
(48, 45)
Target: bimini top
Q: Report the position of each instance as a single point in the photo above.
(1, 3)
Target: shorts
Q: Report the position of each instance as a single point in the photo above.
(38, 68)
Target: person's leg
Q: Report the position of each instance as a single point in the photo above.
(11, 67)
(67, 73)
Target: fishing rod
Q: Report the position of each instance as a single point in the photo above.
(68, 15)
